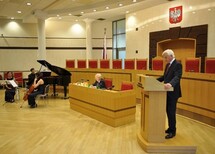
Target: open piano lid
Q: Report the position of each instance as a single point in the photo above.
(55, 69)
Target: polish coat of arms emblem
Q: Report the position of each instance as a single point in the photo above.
(175, 14)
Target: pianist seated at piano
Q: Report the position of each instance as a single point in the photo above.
(39, 88)
(31, 78)
(99, 83)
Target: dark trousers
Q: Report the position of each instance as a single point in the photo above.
(32, 96)
(171, 114)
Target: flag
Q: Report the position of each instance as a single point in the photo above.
(104, 53)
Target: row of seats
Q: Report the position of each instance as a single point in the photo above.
(190, 64)
(139, 64)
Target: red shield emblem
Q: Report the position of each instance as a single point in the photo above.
(175, 14)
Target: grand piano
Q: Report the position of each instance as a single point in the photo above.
(62, 78)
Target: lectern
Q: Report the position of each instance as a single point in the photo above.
(151, 136)
(153, 109)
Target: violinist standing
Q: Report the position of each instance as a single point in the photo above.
(39, 88)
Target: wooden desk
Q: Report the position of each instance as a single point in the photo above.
(114, 108)
(197, 101)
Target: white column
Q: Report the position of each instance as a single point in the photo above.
(88, 39)
(41, 53)
(41, 17)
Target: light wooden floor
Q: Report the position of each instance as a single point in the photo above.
(54, 128)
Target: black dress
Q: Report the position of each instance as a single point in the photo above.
(9, 92)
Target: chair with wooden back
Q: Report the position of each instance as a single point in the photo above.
(157, 64)
(93, 63)
(126, 85)
(210, 65)
(117, 63)
(105, 63)
(81, 63)
(192, 64)
(109, 83)
(141, 64)
(129, 63)
(70, 63)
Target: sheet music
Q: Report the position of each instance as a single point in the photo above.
(13, 83)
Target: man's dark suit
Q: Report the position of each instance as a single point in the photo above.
(100, 85)
(172, 75)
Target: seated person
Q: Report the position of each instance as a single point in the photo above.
(39, 88)
(31, 78)
(99, 83)
(10, 90)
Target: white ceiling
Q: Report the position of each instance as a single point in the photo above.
(51, 8)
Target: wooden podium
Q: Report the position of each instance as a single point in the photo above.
(151, 136)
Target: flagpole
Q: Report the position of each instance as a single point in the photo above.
(104, 46)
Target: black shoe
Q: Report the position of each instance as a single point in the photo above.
(170, 135)
(167, 131)
(33, 106)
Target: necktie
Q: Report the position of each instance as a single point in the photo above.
(167, 67)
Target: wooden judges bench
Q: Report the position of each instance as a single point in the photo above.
(197, 101)
(114, 108)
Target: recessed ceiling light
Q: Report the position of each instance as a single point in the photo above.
(120, 4)
(190, 7)
(94, 10)
(60, 18)
(12, 18)
(19, 11)
(106, 7)
(58, 15)
(127, 11)
(193, 12)
(70, 14)
(28, 3)
(134, 1)
(209, 9)
(82, 12)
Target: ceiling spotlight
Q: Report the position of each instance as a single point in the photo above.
(106, 7)
(127, 11)
(134, 1)
(58, 15)
(120, 4)
(12, 18)
(28, 3)
(94, 10)
(82, 12)
(19, 12)
(209, 9)
(70, 14)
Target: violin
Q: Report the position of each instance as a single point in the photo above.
(30, 90)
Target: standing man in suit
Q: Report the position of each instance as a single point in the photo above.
(171, 78)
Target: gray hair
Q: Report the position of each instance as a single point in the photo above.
(98, 75)
(168, 52)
